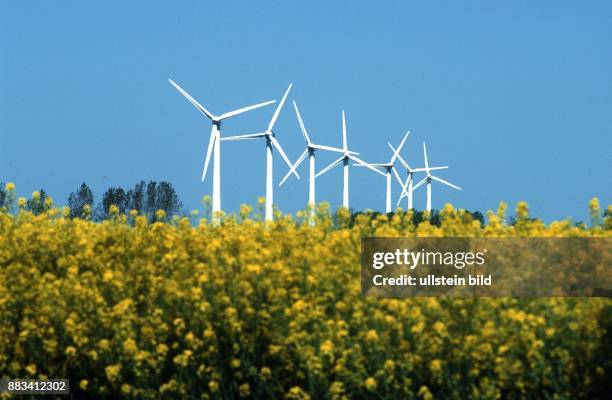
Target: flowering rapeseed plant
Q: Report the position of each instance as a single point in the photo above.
(132, 309)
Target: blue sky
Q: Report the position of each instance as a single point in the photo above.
(516, 97)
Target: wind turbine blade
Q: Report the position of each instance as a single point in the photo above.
(344, 144)
(329, 148)
(425, 155)
(244, 137)
(415, 187)
(282, 153)
(400, 199)
(404, 192)
(245, 109)
(295, 165)
(445, 182)
(211, 144)
(330, 166)
(192, 100)
(302, 127)
(279, 108)
(399, 156)
(430, 168)
(399, 148)
(365, 164)
(374, 165)
(399, 180)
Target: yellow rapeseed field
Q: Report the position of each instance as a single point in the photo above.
(176, 309)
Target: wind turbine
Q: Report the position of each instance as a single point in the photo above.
(390, 168)
(214, 145)
(348, 155)
(410, 178)
(429, 178)
(271, 140)
(310, 151)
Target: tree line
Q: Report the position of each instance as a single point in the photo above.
(145, 198)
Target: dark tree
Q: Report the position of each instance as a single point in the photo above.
(77, 201)
(113, 196)
(136, 197)
(477, 215)
(146, 198)
(151, 204)
(3, 197)
(37, 205)
(167, 199)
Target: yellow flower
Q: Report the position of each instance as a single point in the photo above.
(125, 388)
(244, 390)
(10, 186)
(425, 393)
(160, 214)
(70, 351)
(112, 372)
(370, 383)
(297, 393)
(129, 345)
(83, 384)
(435, 366)
(371, 336)
(327, 347)
(439, 327)
(31, 369)
(265, 372)
(104, 344)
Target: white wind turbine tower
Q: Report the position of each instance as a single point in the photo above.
(389, 169)
(310, 151)
(271, 140)
(214, 145)
(429, 178)
(410, 178)
(348, 155)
